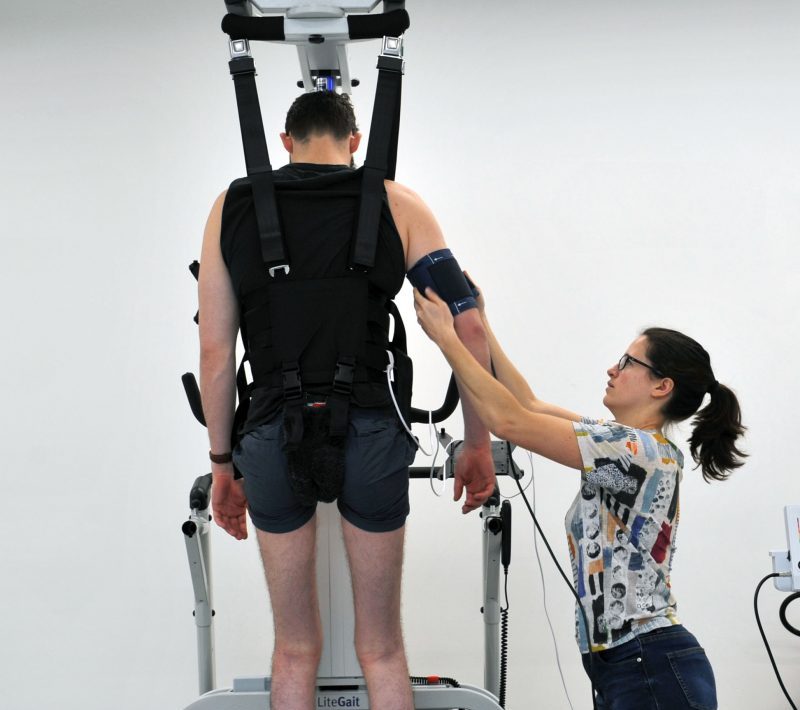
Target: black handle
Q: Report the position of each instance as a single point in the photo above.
(193, 395)
(449, 406)
(386, 24)
(425, 472)
(199, 495)
(505, 544)
(271, 29)
(266, 29)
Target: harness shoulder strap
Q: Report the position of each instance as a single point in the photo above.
(381, 160)
(259, 169)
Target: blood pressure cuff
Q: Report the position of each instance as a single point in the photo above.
(440, 271)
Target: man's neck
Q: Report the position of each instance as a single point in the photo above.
(321, 155)
(294, 160)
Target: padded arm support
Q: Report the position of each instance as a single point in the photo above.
(387, 24)
(440, 271)
(271, 29)
(267, 29)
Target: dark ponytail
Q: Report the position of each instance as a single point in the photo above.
(718, 425)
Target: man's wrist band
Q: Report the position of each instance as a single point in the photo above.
(220, 458)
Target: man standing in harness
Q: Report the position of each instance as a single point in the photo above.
(321, 424)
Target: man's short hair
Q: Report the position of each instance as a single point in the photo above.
(321, 113)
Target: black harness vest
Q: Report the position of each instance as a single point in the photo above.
(321, 332)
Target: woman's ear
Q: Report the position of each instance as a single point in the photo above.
(664, 387)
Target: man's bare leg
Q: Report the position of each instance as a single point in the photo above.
(376, 562)
(289, 562)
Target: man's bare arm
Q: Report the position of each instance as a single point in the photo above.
(219, 326)
(421, 235)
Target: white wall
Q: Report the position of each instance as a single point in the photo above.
(599, 166)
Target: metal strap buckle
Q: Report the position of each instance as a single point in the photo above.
(239, 48)
(391, 57)
(392, 47)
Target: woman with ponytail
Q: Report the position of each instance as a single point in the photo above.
(621, 527)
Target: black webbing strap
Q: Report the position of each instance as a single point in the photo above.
(293, 404)
(381, 160)
(259, 169)
(339, 399)
(242, 409)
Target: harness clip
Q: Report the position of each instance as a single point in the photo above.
(273, 269)
(343, 377)
(292, 386)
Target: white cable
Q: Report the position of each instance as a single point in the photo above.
(544, 589)
(511, 466)
(438, 494)
(528, 485)
(447, 453)
(389, 372)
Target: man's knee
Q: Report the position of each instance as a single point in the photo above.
(298, 650)
(376, 650)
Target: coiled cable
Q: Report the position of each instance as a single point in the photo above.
(782, 614)
(504, 645)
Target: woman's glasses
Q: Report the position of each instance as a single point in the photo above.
(625, 359)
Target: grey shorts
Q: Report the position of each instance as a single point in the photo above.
(374, 498)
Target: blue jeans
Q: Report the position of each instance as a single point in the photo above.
(665, 669)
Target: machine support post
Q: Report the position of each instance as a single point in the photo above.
(198, 550)
(492, 544)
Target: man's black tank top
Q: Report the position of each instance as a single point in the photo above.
(318, 208)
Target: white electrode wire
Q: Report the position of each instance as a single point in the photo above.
(431, 429)
(544, 588)
(527, 486)
(440, 493)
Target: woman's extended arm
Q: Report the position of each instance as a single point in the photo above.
(501, 411)
(507, 373)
